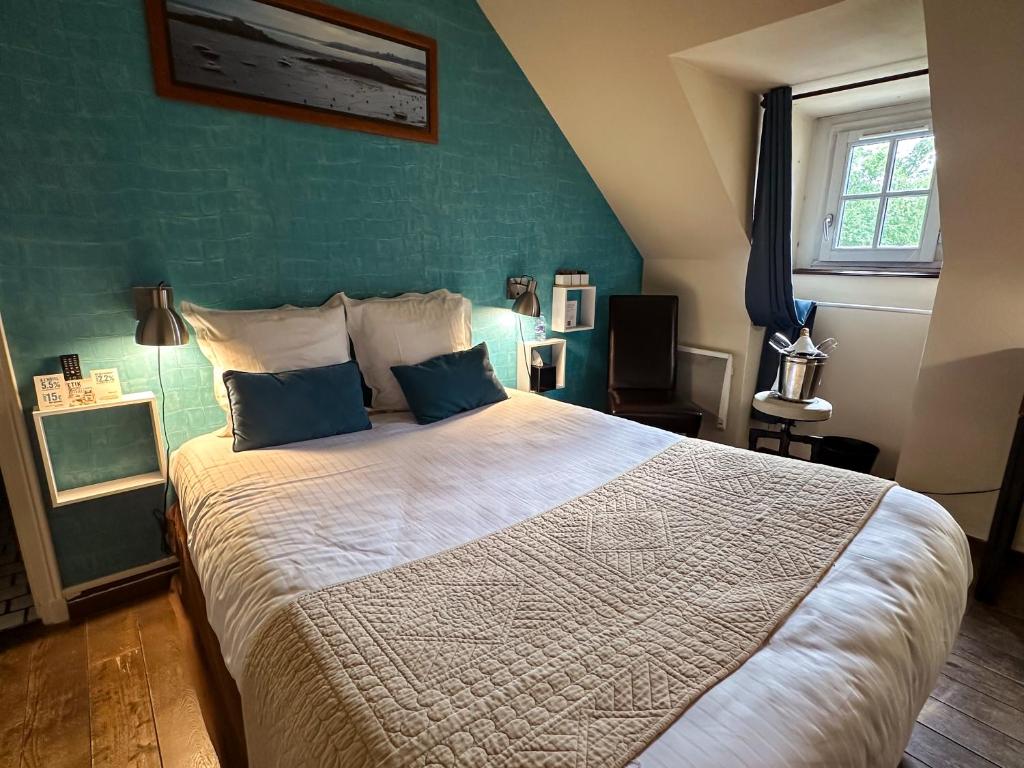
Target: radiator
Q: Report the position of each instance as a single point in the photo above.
(704, 377)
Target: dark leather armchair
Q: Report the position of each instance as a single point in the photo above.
(642, 364)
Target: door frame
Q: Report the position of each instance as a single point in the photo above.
(24, 492)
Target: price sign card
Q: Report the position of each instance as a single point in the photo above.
(51, 391)
(80, 392)
(106, 384)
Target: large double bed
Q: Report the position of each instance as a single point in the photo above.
(837, 680)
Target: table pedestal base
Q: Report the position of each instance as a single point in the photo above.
(784, 435)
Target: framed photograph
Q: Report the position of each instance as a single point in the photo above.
(297, 59)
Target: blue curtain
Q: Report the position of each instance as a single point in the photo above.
(769, 291)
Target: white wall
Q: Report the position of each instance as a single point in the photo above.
(972, 375)
(871, 377)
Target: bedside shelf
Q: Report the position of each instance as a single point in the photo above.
(109, 488)
(62, 497)
(523, 353)
(586, 310)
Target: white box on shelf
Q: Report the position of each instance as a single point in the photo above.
(573, 279)
(525, 353)
(586, 308)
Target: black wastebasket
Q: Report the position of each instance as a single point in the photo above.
(846, 453)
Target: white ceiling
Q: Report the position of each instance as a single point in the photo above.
(869, 97)
(848, 37)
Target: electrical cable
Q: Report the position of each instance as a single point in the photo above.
(526, 359)
(161, 514)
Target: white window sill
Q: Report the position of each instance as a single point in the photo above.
(866, 272)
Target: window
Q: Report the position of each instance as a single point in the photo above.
(879, 207)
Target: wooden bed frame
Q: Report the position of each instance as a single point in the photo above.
(225, 725)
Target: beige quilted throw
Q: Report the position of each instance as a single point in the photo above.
(572, 639)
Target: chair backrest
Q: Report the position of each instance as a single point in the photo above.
(642, 342)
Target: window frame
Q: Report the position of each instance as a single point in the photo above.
(834, 139)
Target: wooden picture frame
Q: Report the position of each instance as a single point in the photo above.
(348, 71)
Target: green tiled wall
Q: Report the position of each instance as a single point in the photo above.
(106, 186)
(76, 461)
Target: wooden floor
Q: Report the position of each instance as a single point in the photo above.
(975, 715)
(126, 689)
(121, 689)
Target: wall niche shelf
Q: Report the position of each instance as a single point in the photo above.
(61, 497)
(525, 353)
(586, 308)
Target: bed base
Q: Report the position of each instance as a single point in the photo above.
(224, 725)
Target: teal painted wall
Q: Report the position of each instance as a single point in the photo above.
(106, 186)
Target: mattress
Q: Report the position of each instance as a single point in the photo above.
(839, 683)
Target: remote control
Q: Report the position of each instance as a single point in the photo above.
(71, 366)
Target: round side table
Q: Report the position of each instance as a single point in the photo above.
(790, 414)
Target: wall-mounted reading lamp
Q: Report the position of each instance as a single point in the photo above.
(524, 290)
(159, 325)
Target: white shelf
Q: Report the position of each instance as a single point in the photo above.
(62, 497)
(135, 398)
(557, 358)
(586, 310)
(109, 488)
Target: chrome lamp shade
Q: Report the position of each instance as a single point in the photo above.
(524, 291)
(160, 325)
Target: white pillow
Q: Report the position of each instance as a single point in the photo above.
(268, 340)
(405, 330)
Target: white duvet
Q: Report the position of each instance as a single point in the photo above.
(839, 684)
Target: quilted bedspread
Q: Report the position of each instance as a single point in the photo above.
(571, 639)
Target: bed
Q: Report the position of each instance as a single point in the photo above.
(839, 682)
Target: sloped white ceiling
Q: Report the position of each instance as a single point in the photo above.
(603, 69)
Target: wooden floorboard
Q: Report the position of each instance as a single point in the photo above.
(991, 657)
(994, 628)
(57, 702)
(972, 734)
(123, 733)
(934, 750)
(911, 762)
(14, 669)
(122, 729)
(173, 663)
(980, 678)
(992, 712)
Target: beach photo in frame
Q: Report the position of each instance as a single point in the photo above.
(296, 59)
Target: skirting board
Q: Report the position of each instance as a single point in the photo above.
(101, 594)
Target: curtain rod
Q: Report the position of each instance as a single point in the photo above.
(861, 84)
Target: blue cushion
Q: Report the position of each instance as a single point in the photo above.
(449, 384)
(279, 408)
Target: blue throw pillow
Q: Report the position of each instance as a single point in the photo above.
(449, 384)
(278, 408)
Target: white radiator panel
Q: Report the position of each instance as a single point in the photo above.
(704, 377)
